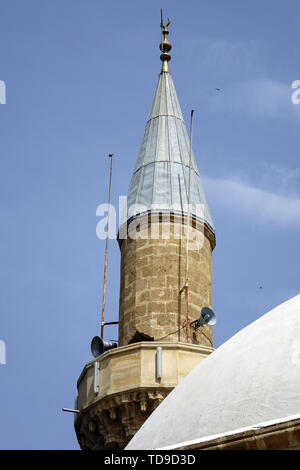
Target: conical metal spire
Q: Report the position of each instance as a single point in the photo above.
(160, 179)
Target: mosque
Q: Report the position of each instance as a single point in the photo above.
(164, 386)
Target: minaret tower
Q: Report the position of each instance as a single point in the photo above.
(166, 240)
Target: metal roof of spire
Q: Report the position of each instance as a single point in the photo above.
(160, 179)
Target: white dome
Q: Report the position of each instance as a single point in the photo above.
(252, 378)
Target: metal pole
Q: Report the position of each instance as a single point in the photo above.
(187, 238)
(158, 360)
(69, 410)
(161, 24)
(111, 323)
(106, 248)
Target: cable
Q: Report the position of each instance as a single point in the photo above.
(172, 333)
(204, 334)
(177, 331)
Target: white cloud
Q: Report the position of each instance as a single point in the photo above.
(237, 69)
(285, 180)
(251, 201)
(262, 97)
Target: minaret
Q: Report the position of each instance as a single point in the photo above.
(153, 262)
(166, 240)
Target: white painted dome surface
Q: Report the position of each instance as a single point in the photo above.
(252, 378)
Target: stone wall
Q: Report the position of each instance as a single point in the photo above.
(153, 261)
(128, 390)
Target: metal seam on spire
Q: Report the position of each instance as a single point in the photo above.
(164, 161)
(160, 103)
(181, 159)
(168, 115)
(157, 140)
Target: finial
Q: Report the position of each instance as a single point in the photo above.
(165, 46)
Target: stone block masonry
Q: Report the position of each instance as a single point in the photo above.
(152, 303)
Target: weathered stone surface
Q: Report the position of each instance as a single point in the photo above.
(280, 436)
(112, 422)
(153, 277)
(129, 390)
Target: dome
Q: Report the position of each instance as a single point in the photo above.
(252, 378)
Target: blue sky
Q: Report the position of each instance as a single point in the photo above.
(80, 77)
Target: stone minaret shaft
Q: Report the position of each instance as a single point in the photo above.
(152, 299)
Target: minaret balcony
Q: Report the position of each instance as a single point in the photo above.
(118, 390)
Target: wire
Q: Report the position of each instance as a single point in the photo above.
(204, 334)
(172, 333)
(177, 331)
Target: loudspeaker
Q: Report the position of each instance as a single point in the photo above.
(98, 346)
(206, 316)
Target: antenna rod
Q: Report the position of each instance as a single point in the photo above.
(161, 24)
(111, 156)
(69, 410)
(187, 238)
